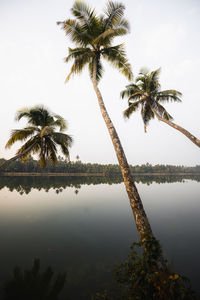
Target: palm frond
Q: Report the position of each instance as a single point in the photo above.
(138, 96)
(23, 112)
(20, 135)
(123, 24)
(50, 150)
(60, 122)
(85, 15)
(62, 139)
(114, 12)
(169, 95)
(130, 91)
(147, 114)
(65, 141)
(116, 56)
(74, 30)
(31, 143)
(77, 52)
(131, 108)
(161, 111)
(79, 63)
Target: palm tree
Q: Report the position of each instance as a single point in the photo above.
(146, 93)
(93, 36)
(40, 136)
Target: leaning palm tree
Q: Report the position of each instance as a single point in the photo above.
(93, 36)
(40, 136)
(146, 94)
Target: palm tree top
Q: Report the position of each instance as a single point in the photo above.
(40, 135)
(41, 116)
(146, 93)
(93, 36)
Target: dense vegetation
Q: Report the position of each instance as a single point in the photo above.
(63, 166)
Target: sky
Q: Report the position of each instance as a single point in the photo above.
(32, 71)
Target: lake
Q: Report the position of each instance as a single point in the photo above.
(85, 226)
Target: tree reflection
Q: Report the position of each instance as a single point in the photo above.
(24, 185)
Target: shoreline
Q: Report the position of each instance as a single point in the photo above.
(91, 174)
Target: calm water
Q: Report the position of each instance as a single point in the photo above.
(85, 226)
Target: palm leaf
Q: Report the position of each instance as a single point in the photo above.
(147, 114)
(114, 13)
(77, 52)
(130, 90)
(168, 95)
(79, 63)
(20, 135)
(85, 15)
(131, 108)
(60, 122)
(31, 143)
(51, 150)
(73, 29)
(116, 56)
(162, 111)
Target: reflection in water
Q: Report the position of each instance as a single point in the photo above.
(137, 277)
(86, 234)
(33, 284)
(23, 185)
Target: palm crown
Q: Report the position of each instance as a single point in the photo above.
(93, 36)
(146, 93)
(40, 135)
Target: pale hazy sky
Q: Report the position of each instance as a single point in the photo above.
(32, 71)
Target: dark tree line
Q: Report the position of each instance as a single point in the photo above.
(63, 166)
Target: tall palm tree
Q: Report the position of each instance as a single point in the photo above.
(146, 94)
(40, 136)
(93, 36)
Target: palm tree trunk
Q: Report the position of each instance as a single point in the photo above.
(141, 219)
(179, 128)
(17, 156)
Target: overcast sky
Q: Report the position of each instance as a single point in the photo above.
(32, 71)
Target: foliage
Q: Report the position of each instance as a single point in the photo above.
(93, 35)
(40, 135)
(63, 166)
(145, 93)
(33, 284)
(140, 278)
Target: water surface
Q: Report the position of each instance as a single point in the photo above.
(86, 226)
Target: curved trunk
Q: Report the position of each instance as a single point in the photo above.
(17, 156)
(141, 220)
(179, 128)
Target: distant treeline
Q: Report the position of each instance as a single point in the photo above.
(63, 166)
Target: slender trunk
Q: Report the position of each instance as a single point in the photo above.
(179, 128)
(17, 156)
(141, 219)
